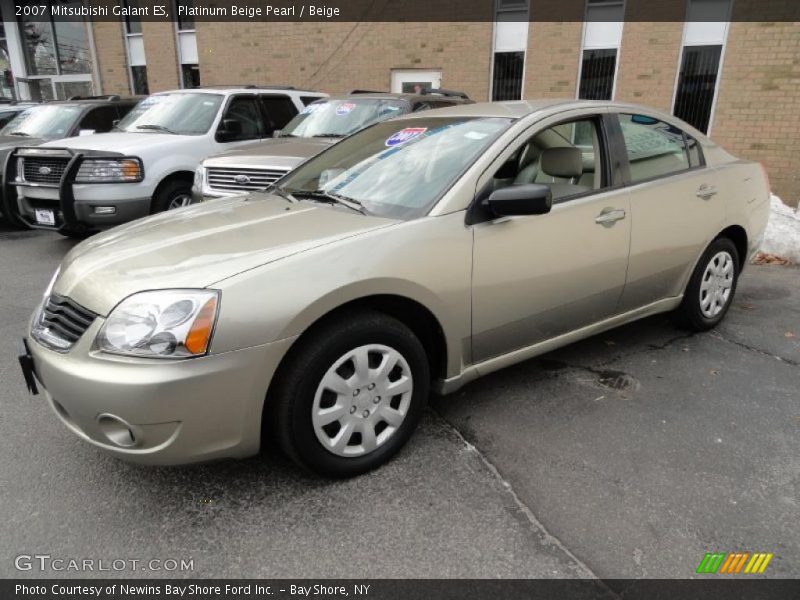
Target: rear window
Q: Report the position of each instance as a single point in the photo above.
(654, 148)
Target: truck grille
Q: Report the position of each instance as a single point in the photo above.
(43, 170)
(238, 179)
(65, 318)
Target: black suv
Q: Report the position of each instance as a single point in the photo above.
(40, 123)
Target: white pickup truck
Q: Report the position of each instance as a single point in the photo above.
(146, 165)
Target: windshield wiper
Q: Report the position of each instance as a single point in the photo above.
(278, 191)
(329, 135)
(331, 198)
(20, 133)
(157, 128)
(287, 135)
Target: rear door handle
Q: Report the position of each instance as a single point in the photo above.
(609, 216)
(706, 191)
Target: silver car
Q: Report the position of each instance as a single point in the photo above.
(418, 254)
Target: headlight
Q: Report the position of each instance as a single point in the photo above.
(161, 324)
(109, 170)
(199, 175)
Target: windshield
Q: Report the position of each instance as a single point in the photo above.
(50, 121)
(182, 114)
(399, 168)
(340, 118)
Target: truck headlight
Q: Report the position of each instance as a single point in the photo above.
(199, 176)
(161, 324)
(109, 170)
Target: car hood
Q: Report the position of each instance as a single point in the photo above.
(11, 141)
(277, 153)
(200, 245)
(119, 142)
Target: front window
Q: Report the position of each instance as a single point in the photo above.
(340, 118)
(399, 168)
(51, 121)
(181, 114)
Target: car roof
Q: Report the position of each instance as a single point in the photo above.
(518, 109)
(237, 89)
(369, 95)
(94, 100)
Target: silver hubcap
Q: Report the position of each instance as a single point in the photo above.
(362, 400)
(179, 201)
(716, 285)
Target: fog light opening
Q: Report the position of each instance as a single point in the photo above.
(118, 431)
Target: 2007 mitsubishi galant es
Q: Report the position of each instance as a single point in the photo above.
(420, 253)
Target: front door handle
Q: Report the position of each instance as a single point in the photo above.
(706, 191)
(609, 216)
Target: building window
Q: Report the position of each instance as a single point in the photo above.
(139, 80)
(697, 83)
(190, 75)
(55, 47)
(597, 74)
(133, 24)
(704, 37)
(508, 49)
(507, 75)
(602, 36)
(185, 22)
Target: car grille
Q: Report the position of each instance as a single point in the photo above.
(65, 318)
(237, 179)
(44, 170)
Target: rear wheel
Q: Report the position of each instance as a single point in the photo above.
(175, 193)
(711, 288)
(351, 395)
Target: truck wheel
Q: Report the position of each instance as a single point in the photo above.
(350, 395)
(711, 288)
(172, 194)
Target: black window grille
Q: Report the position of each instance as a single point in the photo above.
(696, 85)
(507, 79)
(597, 74)
(139, 77)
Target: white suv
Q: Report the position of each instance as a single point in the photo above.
(147, 164)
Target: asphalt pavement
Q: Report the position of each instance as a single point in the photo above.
(630, 454)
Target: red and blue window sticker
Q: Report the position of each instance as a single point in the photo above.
(345, 108)
(405, 135)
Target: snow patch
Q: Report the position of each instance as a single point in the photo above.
(782, 237)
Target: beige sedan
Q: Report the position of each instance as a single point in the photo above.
(418, 254)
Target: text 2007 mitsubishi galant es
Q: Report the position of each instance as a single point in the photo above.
(421, 252)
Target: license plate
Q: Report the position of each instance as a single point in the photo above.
(45, 217)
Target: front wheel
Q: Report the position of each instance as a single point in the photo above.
(171, 195)
(711, 288)
(351, 395)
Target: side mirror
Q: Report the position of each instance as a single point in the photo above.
(230, 129)
(515, 200)
(276, 133)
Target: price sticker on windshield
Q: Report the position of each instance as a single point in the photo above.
(405, 135)
(344, 109)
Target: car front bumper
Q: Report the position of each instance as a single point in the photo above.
(155, 411)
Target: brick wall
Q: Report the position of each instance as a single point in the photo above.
(338, 57)
(758, 105)
(162, 55)
(650, 52)
(555, 37)
(111, 57)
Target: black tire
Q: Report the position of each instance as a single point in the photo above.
(690, 313)
(77, 234)
(167, 192)
(291, 399)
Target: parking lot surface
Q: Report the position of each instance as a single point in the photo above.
(630, 454)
